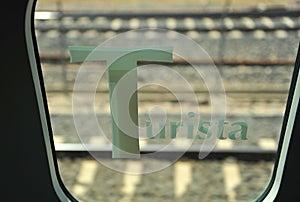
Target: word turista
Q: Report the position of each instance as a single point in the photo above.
(235, 130)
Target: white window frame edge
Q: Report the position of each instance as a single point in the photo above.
(32, 60)
(61, 194)
(285, 145)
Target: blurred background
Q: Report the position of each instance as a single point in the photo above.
(253, 44)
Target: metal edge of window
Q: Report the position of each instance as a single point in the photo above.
(58, 186)
(269, 194)
(271, 191)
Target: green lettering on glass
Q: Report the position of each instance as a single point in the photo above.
(221, 124)
(121, 62)
(173, 128)
(190, 130)
(242, 131)
(149, 129)
(162, 131)
(204, 130)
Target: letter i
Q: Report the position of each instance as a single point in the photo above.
(190, 130)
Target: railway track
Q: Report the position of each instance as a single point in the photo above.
(234, 170)
(242, 153)
(222, 180)
(215, 32)
(260, 144)
(270, 36)
(181, 22)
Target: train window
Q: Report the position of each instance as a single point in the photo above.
(168, 100)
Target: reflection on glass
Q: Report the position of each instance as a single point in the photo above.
(252, 52)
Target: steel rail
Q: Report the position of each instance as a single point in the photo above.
(180, 27)
(92, 15)
(249, 153)
(55, 58)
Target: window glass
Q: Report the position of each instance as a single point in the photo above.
(212, 80)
